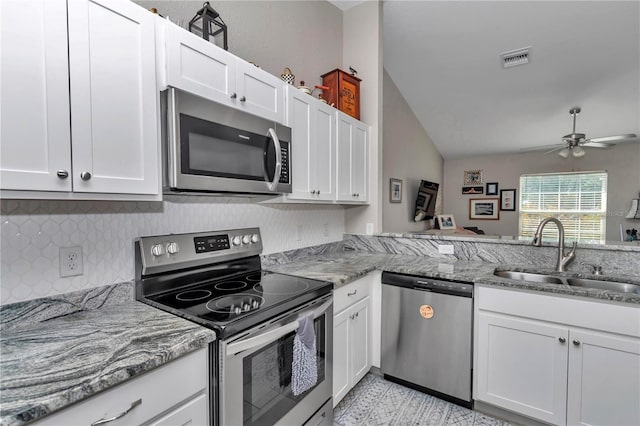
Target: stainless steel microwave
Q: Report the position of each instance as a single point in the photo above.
(212, 148)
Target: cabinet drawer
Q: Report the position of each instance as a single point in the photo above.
(159, 390)
(350, 293)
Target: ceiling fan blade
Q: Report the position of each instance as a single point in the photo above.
(613, 138)
(542, 148)
(592, 144)
(558, 148)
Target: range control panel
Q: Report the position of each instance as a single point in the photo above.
(176, 251)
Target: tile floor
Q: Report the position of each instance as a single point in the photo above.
(375, 401)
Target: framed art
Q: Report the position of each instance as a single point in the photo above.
(484, 208)
(446, 221)
(395, 190)
(472, 177)
(492, 188)
(508, 200)
(472, 190)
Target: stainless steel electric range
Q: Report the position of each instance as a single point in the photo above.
(215, 279)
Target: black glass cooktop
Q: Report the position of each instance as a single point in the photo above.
(236, 303)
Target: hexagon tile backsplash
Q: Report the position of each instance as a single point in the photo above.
(33, 231)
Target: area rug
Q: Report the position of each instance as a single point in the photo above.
(375, 401)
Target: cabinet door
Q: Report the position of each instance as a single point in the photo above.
(360, 161)
(360, 341)
(522, 366)
(341, 355)
(352, 144)
(34, 96)
(299, 117)
(604, 379)
(198, 66)
(114, 101)
(259, 92)
(324, 145)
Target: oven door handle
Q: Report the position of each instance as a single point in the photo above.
(272, 335)
(276, 175)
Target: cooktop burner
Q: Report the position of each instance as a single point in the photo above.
(230, 285)
(235, 304)
(191, 295)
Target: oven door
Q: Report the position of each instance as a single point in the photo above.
(215, 148)
(256, 372)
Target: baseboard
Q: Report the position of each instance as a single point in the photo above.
(506, 415)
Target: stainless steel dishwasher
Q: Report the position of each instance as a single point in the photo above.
(427, 335)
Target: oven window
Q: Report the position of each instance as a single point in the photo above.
(267, 392)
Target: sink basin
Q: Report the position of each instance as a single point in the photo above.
(605, 285)
(616, 286)
(527, 276)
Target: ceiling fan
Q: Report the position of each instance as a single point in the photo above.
(573, 142)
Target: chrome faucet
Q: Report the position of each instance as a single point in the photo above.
(563, 261)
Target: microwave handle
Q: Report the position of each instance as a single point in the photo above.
(276, 176)
(276, 333)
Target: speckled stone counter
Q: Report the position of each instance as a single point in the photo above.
(57, 351)
(341, 268)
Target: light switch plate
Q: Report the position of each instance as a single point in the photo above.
(445, 248)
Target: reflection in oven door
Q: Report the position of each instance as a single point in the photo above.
(255, 386)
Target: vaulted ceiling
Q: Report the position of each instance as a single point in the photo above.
(444, 56)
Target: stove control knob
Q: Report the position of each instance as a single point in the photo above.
(157, 250)
(255, 238)
(173, 248)
(237, 310)
(254, 304)
(246, 239)
(246, 307)
(236, 240)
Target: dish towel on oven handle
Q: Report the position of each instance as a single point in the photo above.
(304, 374)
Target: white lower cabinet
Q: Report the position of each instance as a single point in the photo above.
(174, 394)
(558, 360)
(351, 337)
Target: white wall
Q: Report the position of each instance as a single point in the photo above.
(362, 49)
(32, 233)
(409, 155)
(622, 163)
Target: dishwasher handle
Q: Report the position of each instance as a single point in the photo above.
(454, 288)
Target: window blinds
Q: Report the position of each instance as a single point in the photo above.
(578, 200)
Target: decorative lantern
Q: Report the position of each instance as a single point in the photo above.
(211, 25)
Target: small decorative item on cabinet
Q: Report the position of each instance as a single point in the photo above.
(208, 23)
(304, 88)
(344, 91)
(287, 76)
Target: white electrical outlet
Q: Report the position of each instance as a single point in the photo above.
(70, 261)
(445, 248)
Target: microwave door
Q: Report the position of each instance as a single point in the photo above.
(272, 166)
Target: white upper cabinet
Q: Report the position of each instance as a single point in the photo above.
(79, 100)
(113, 97)
(313, 134)
(198, 66)
(35, 138)
(352, 159)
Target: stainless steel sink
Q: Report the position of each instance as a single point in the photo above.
(616, 286)
(527, 276)
(605, 285)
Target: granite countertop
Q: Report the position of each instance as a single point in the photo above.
(52, 363)
(342, 268)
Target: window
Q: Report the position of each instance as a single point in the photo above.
(578, 200)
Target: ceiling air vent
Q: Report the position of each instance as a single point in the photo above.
(516, 57)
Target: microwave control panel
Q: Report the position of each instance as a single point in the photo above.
(284, 174)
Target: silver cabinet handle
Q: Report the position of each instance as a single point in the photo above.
(357, 313)
(313, 191)
(242, 99)
(353, 293)
(85, 175)
(318, 192)
(562, 339)
(62, 174)
(276, 175)
(352, 316)
(103, 420)
(234, 95)
(576, 342)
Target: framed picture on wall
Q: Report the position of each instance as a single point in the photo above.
(508, 200)
(395, 190)
(492, 188)
(472, 177)
(472, 190)
(484, 209)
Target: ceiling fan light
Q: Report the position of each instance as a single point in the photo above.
(578, 152)
(564, 153)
